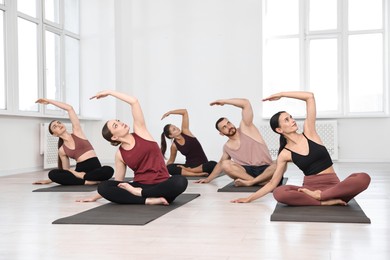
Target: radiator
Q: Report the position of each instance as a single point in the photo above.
(327, 130)
(49, 146)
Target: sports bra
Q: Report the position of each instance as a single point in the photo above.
(81, 146)
(315, 162)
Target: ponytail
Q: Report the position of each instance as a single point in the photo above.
(59, 144)
(164, 134)
(274, 123)
(59, 162)
(282, 143)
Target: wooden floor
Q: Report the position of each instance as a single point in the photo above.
(209, 227)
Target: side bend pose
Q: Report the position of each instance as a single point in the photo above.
(74, 145)
(321, 186)
(187, 144)
(245, 154)
(137, 150)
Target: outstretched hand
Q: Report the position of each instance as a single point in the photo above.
(217, 102)
(165, 115)
(101, 94)
(202, 181)
(240, 200)
(43, 101)
(273, 97)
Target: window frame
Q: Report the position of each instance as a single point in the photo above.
(12, 15)
(341, 34)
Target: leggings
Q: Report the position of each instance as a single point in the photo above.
(169, 189)
(329, 185)
(94, 171)
(173, 168)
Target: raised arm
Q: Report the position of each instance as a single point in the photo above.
(185, 122)
(138, 117)
(311, 112)
(68, 108)
(244, 104)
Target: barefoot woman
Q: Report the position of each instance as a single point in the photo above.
(138, 150)
(321, 186)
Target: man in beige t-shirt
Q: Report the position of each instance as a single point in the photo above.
(245, 157)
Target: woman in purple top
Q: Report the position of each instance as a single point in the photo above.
(74, 145)
(185, 142)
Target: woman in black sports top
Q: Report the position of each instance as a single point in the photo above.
(321, 186)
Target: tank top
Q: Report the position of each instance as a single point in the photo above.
(81, 146)
(250, 152)
(315, 162)
(192, 150)
(146, 160)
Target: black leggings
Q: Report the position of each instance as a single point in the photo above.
(169, 189)
(173, 168)
(94, 171)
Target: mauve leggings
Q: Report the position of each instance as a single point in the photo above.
(328, 183)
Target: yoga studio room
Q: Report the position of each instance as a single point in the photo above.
(195, 129)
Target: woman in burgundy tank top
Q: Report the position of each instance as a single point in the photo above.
(152, 183)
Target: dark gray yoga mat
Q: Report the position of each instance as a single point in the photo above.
(352, 213)
(231, 188)
(72, 188)
(121, 214)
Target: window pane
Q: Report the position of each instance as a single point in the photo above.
(52, 10)
(281, 70)
(72, 15)
(28, 7)
(323, 15)
(53, 67)
(323, 73)
(366, 73)
(27, 65)
(281, 17)
(365, 14)
(72, 65)
(2, 62)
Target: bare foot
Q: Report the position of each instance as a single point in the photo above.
(42, 182)
(79, 175)
(314, 194)
(188, 169)
(156, 201)
(242, 183)
(333, 202)
(91, 182)
(133, 190)
(194, 174)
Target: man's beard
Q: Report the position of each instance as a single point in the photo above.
(232, 132)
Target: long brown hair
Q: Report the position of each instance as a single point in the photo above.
(164, 134)
(59, 144)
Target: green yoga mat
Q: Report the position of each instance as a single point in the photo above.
(72, 188)
(125, 214)
(352, 213)
(231, 188)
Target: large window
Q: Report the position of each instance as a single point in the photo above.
(337, 49)
(39, 55)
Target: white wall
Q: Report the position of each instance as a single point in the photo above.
(174, 54)
(186, 53)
